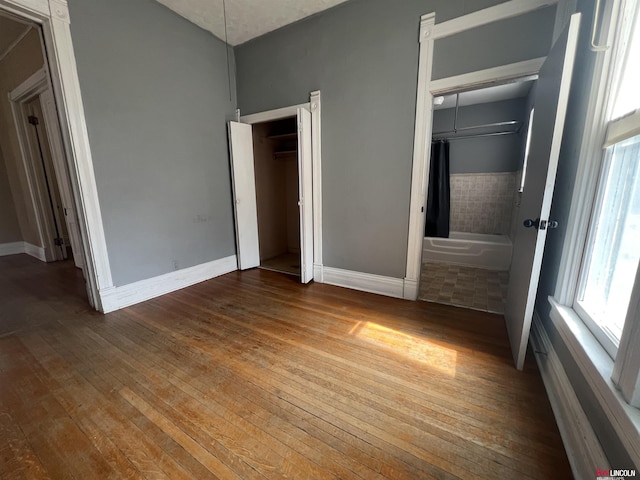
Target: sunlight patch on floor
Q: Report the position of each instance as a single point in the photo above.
(424, 351)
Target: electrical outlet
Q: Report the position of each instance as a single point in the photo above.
(202, 218)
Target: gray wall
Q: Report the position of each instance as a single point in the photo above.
(363, 56)
(501, 153)
(513, 40)
(156, 98)
(9, 226)
(565, 181)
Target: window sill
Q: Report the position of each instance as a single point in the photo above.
(597, 366)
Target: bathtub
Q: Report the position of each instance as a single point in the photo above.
(491, 252)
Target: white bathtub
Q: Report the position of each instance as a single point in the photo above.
(491, 252)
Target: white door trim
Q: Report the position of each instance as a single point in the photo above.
(429, 32)
(421, 157)
(30, 89)
(315, 107)
(316, 172)
(53, 16)
(276, 114)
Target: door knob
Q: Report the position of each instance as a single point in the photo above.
(540, 224)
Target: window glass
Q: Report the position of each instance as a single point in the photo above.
(628, 95)
(614, 249)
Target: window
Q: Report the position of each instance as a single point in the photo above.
(613, 250)
(611, 257)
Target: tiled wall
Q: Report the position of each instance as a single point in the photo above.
(482, 202)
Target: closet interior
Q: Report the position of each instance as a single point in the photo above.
(275, 146)
(476, 176)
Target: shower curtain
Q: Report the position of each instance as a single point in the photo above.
(438, 197)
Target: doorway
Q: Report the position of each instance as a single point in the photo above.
(553, 73)
(52, 20)
(44, 164)
(40, 213)
(275, 149)
(275, 167)
(479, 137)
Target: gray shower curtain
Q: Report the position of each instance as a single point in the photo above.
(438, 197)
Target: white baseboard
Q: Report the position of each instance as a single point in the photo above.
(35, 251)
(581, 444)
(318, 275)
(366, 282)
(115, 298)
(410, 291)
(12, 248)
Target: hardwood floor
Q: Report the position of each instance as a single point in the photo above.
(253, 375)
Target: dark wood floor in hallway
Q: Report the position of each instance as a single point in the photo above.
(252, 375)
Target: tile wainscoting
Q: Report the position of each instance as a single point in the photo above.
(482, 202)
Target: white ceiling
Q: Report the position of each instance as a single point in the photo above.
(246, 19)
(487, 95)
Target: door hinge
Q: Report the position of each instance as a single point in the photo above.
(58, 242)
(33, 120)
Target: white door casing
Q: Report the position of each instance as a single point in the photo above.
(37, 85)
(552, 96)
(305, 190)
(244, 194)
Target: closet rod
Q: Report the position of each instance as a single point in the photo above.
(484, 125)
(475, 135)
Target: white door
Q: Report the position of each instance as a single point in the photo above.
(64, 183)
(551, 100)
(244, 194)
(305, 188)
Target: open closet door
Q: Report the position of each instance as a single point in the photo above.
(552, 96)
(305, 189)
(244, 194)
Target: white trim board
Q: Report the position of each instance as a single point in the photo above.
(316, 145)
(421, 155)
(16, 248)
(115, 298)
(365, 282)
(35, 251)
(597, 367)
(276, 114)
(13, 248)
(583, 449)
(502, 11)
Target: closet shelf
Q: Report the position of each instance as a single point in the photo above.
(284, 153)
(282, 136)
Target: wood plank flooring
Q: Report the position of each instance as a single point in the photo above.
(252, 375)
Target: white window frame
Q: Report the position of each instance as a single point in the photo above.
(614, 381)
